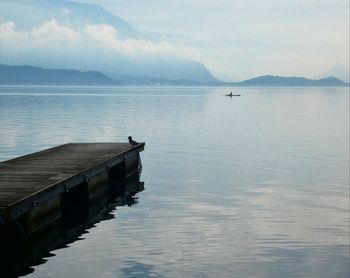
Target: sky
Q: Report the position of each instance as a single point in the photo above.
(240, 39)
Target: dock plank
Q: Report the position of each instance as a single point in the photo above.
(25, 177)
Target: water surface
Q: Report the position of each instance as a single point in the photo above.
(250, 186)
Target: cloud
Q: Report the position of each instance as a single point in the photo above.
(65, 12)
(51, 35)
(107, 37)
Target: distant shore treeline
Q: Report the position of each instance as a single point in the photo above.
(29, 75)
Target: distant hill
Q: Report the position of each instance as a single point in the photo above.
(28, 75)
(270, 80)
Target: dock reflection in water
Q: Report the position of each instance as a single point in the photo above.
(20, 252)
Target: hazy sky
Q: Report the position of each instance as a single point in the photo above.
(238, 39)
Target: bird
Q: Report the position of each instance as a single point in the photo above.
(132, 142)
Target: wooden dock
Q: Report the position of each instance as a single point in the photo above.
(61, 182)
(49, 198)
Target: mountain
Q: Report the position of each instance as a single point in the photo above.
(71, 35)
(28, 75)
(270, 80)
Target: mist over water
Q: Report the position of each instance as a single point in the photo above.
(250, 186)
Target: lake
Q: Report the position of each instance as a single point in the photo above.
(250, 186)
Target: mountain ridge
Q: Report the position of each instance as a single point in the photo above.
(291, 81)
(31, 75)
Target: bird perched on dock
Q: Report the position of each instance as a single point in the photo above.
(132, 142)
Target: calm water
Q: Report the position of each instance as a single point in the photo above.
(253, 186)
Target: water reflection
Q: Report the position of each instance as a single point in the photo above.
(138, 270)
(19, 255)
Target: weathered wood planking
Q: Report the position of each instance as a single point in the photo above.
(32, 179)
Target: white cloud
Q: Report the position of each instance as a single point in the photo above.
(57, 37)
(106, 36)
(7, 30)
(48, 33)
(65, 12)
